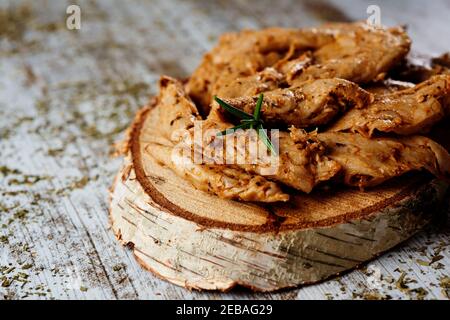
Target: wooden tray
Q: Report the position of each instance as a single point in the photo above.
(197, 240)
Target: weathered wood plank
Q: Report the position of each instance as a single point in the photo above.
(65, 96)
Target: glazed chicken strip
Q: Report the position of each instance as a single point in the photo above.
(311, 103)
(360, 53)
(270, 78)
(174, 110)
(300, 164)
(267, 80)
(404, 112)
(245, 53)
(356, 52)
(369, 162)
(176, 114)
(223, 181)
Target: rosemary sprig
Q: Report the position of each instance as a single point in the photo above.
(234, 111)
(263, 136)
(248, 121)
(231, 130)
(257, 112)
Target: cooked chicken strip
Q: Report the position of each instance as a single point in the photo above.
(291, 69)
(300, 164)
(311, 103)
(341, 50)
(403, 112)
(174, 110)
(224, 181)
(369, 162)
(245, 53)
(270, 78)
(360, 53)
(266, 80)
(176, 114)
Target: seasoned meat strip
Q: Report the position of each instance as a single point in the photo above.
(174, 110)
(175, 114)
(311, 103)
(368, 162)
(334, 50)
(404, 112)
(245, 53)
(300, 163)
(267, 80)
(360, 53)
(221, 180)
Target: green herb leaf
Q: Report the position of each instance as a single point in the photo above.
(257, 112)
(232, 130)
(263, 136)
(234, 111)
(248, 121)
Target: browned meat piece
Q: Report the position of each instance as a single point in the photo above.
(293, 68)
(369, 162)
(311, 103)
(270, 78)
(175, 111)
(304, 159)
(175, 114)
(245, 53)
(360, 53)
(405, 112)
(221, 180)
(266, 80)
(225, 181)
(335, 50)
(300, 164)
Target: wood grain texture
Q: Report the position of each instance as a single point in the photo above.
(66, 96)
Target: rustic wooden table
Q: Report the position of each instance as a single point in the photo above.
(67, 95)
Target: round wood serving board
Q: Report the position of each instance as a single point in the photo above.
(197, 240)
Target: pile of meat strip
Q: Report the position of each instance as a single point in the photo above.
(340, 95)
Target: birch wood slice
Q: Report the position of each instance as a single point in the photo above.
(197, 240)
